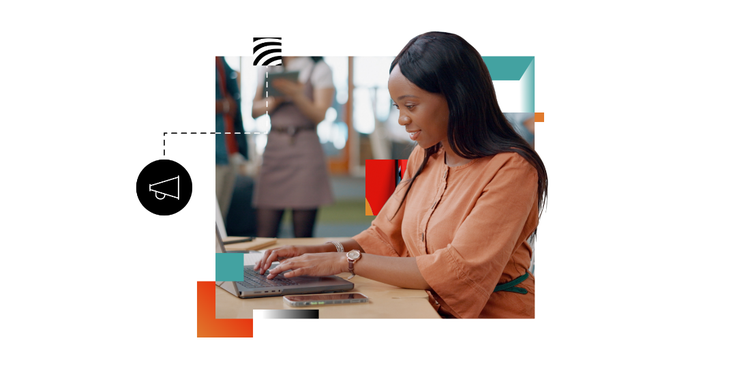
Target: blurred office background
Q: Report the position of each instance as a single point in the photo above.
(361, 124)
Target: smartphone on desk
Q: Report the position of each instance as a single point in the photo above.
(325, 299)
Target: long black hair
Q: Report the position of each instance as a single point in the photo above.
(446, 64)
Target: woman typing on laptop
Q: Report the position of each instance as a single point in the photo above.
(457, 225)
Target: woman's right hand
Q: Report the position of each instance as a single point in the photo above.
(286, 252)
(263, 105)
(273, 102)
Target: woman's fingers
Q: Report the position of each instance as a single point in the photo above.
(290, 269)
(296, 272)
(273, 256)
(282, 267)
(284, 252)
(270, 256)
(263, 258)
(309, 264)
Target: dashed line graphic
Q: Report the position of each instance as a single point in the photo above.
(266, 52)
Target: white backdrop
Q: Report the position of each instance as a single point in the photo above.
(640, 255)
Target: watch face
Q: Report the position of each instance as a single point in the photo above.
(353, 255)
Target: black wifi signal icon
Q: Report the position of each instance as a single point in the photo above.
(267, 51)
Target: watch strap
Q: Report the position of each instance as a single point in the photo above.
(351, 263)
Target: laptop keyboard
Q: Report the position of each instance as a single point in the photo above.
(255, 280)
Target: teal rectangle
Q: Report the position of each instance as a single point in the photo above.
(230, 267)
(507, 68)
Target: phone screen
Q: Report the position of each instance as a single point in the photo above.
(326, 297)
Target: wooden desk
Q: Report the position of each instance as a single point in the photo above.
(385, 301)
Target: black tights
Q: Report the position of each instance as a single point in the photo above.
(269, 221)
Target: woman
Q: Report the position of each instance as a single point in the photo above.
(457, 226)
(294, 174)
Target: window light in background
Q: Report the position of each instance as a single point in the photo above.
(340, 69)
(364, 120)
(370, 83)
(325, 127)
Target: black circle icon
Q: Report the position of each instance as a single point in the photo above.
(164, 187)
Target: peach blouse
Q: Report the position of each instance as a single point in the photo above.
(468, 227)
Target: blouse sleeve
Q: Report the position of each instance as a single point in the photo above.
(465, 272)
(322, 76)
(383, 237)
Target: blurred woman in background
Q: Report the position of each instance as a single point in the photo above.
(294, 173)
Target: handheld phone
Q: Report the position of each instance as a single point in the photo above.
(290, 76)
(325, 299)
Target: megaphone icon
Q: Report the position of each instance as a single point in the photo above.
(172, 187)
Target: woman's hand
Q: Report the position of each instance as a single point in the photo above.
(285, 252)
(273, 102)
(325, 264)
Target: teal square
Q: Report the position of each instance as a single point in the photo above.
(230, 267)
(515, 68)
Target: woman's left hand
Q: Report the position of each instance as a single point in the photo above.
(320, 264)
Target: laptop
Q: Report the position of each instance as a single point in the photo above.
(256, 285)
